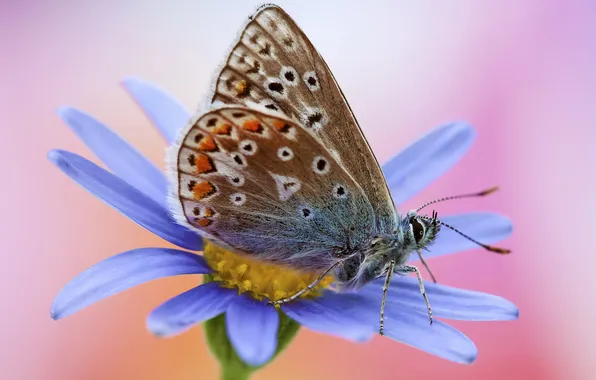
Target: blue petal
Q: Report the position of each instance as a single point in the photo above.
(252, 329)
(445, 301)
(168, 115)
(189, 308)
(485, 227)
(427, 159)
(125, 198)
(122, 272)
(122, 159)
(440, 339)
(341, 315)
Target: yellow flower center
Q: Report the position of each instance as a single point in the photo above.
(257, 278)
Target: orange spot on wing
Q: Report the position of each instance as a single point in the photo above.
(203, 222)
(224, 129)
(209, 212)
(281, 125)
(241, 86)
(207, 144)
(253, 126)
(203, 189)
(242, 89)
(204, 164)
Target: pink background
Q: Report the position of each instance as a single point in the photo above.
(523, 72)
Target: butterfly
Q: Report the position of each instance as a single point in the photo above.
(279, 169)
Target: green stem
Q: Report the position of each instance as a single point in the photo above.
(232, 367)
(234, 374)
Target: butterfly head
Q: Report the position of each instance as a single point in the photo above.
(415, 232)
(420, 231)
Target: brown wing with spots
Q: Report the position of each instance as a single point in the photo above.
(275, 66)
(263, 185)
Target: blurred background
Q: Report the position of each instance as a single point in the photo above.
(521, 72)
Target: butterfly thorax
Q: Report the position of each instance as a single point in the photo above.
(373, 260)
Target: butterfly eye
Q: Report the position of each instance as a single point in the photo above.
(417, 229)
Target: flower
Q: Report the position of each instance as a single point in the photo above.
(237, 286)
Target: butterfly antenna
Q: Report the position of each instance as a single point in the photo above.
(478, 194)
(485, 246)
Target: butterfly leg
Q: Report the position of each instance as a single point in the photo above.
(413, 269)
(426, 266)
(384, 299)
(308, 288)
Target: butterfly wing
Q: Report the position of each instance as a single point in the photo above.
(265, 185)
(274, 65)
